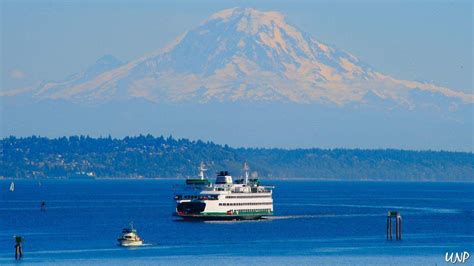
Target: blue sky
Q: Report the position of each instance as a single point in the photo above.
(417, 40)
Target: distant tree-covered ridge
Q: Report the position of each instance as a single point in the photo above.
(155, 157)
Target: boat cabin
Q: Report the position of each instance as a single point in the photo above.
(223, 177)
(128, 231)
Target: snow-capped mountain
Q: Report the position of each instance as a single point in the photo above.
(245, 78)
(240, 55)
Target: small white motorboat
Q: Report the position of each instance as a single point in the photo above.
(130, 238)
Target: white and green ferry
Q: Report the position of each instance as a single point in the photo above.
(225, 199)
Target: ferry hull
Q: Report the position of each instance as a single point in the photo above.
(200, 217)
(204, 210)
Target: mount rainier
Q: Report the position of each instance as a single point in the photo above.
(239, 55)
(255, 73)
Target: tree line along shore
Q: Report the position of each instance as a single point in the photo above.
(164, 157)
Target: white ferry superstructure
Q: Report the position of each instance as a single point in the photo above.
(225, 199)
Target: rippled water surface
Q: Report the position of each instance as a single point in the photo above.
(326, 220)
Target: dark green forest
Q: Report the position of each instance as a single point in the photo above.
(159, 157)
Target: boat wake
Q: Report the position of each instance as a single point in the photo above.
(138, 246)
(310, 216)
(411, 208)
(94, 250)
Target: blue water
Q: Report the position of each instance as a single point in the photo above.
(327, 219)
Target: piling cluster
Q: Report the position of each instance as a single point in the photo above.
(398, 225)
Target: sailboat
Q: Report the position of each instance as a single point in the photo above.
(12, 186)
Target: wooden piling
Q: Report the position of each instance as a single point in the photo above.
(18, 252)
(400, 230)
(390, 222)
(398, 225)
(18, 249)
(396, 228)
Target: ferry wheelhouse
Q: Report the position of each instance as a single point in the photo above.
(225, 199)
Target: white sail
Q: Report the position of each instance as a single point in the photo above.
(12, 186)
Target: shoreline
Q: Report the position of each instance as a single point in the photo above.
(296, 179)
